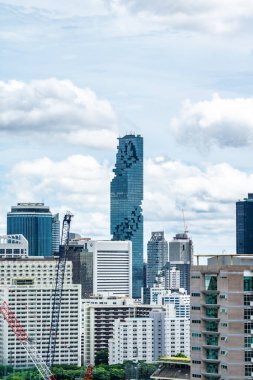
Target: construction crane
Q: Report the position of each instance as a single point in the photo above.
(57, 295)
(24, 339)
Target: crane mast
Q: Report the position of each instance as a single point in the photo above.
(57, 295)
(24, 339)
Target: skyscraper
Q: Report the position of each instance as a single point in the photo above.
(180, 257)
(126, 202)
(244, 225)
(157, 256)
(34, 221)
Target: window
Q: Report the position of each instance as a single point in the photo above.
(195, 307)
(196, 362)
(224, 366)
(248, 284)
(195, 277)
(210, 282)
(196, 335)
(248, 341)
(196, 348)
(196, 375)
(195, 294)
(196, 321)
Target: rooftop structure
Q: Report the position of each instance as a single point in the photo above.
(13, 246)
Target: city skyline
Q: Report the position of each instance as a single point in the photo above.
(88, 74)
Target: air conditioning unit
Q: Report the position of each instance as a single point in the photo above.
(251, 317)
(251, 360)
(251, 303)
(251, 331)
(251, 345)
(251, 374)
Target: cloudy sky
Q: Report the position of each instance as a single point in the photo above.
(74, 77)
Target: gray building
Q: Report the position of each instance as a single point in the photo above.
(180, 257)
(244, 226)
(158, 316)
(222, 318)
(157, 256)
(55, 234)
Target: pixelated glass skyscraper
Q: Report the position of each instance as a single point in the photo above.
(126, 202)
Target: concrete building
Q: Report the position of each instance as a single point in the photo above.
(244, 225)
(34, 221)
(180, 258)
(98, 316)
(132, 340)
(157, 256)
(13, 246)
(27, 285)
(177, 333)
(126, 202)
(102, 266)
(172, 368)
(221, 318)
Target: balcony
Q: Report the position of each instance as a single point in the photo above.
(209, 375)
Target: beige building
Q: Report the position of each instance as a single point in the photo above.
(222, 318)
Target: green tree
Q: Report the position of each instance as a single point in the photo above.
(101, 357)
(100, 373)
(117, 374)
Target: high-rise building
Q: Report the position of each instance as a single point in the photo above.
(126, 202)
(222, 318)
(157, 253)
(180, 258)
(244, 225)
(102, 266)
(55, 234)
(27, 285)
(34, 221)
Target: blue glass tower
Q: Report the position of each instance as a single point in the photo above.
(244, 225)
(126, 202)
(34, 221)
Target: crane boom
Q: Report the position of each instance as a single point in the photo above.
(57, 296)
(24, 339)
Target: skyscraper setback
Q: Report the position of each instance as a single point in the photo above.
(126, 202)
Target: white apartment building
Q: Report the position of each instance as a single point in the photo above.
(173, 279)
(103, 267)
(27, 286)
(132, 339)
(177, 333)
(98, 316)
(13, 246)
(179, 300)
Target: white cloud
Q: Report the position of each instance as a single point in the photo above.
(57, 109)
(79, 184)
(219, 121)
(140, 16)
(82, 185)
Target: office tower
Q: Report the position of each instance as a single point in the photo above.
(244, 225)
(222, 318)
(34, 221)
(102, 267)
(180, 257)
(157, 256)
(126, 202)
(27, 285)
(55, 234)
(13, 246)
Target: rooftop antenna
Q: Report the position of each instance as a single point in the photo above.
(185, 226)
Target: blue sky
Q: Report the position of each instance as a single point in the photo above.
(74, 77)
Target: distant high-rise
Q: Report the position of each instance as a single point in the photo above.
(244, 225)
(157, 256)
(34, 221)
(126, 202)
(55, 234)
(180, 257)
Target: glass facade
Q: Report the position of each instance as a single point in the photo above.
(244, 223)
(157, 256)
(126, 202)
(34, 221)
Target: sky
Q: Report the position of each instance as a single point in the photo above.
(76, 75)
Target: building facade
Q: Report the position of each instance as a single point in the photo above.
(157, 256)
(102, 266)
(126, 202)
(244, 226)
(27, 285)
(13, 246)
(55, 234)
(180, 258)
(222, 318)
(34, 221)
